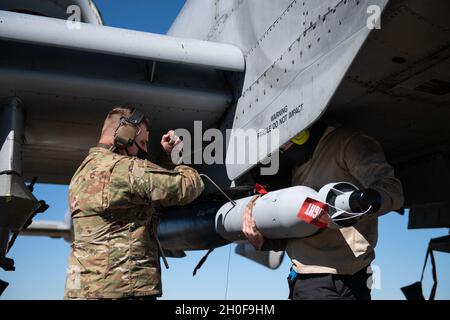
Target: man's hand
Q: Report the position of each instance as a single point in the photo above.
(169, 141)
(249, 226)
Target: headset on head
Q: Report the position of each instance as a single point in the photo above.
(128, 130)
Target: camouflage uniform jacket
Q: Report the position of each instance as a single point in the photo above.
(111, 199)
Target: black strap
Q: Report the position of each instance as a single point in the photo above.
(434, 272)
(433, 289)
(136, 117)
(161, 252)
(425, 264)
(154, 227)
(201, 262)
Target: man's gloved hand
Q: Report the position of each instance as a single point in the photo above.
(172, 146)
(249, 226)
(365, 200)
(169, 141)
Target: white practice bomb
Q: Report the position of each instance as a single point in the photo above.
(295, 212)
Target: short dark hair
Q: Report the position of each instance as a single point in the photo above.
(122, 111)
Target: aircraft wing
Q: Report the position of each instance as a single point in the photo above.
(311, 59)
(295, 62)
(68, 77)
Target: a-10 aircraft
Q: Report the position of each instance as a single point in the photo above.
(382, 66)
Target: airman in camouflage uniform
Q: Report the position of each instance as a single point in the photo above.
(115, 249)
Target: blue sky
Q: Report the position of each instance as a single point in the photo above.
(41, 262)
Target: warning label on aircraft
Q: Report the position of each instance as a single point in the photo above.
(315, 213)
